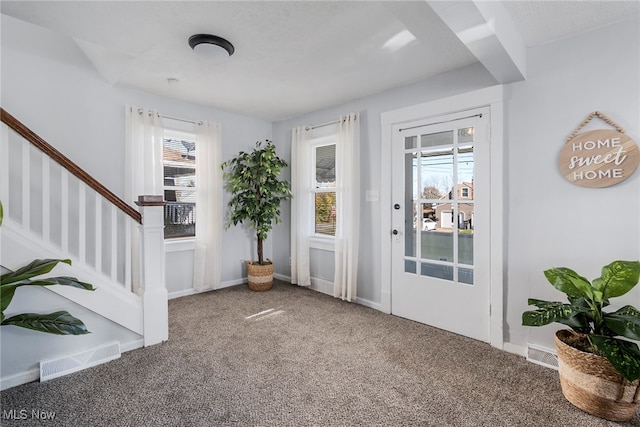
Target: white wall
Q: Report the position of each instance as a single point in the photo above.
(552, 222)
(49, 85)
(369, 281)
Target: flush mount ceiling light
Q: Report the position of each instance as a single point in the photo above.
(212, 48)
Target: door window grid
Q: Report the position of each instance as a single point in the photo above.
(452, 149)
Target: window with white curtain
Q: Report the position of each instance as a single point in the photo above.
(179, 171)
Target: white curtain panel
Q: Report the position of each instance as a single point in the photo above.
(143, 155)
(143, 168)
(208, 245)
(301, 212)
(347, 207)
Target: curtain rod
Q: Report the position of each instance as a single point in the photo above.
(437, 123)
(179, 119)
(195, 122)
(322, 125)
(333, 122)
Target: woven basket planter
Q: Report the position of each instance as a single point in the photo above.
(260, 276)
(589, 382)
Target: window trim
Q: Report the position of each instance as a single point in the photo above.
(171, 133)
(317, 240)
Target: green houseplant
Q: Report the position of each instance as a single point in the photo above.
(252, 179)
(60, 322)
(596, 337)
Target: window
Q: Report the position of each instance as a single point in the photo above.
(179, 165)
(465, 192)
(323, 154)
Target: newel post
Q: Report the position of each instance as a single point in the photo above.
(153, 289)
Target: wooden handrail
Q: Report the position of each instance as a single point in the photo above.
(66, 163)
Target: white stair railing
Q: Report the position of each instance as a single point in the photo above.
(51, 199)
(48, 201)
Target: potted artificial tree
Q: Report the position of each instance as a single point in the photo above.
(256, 194)
(599, 373)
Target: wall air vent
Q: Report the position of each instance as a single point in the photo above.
(542, 356)
(54, 368)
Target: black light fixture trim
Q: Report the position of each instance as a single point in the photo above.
(197, 39)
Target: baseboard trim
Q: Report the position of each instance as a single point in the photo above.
(182, 293)
(19, 379)
(368, 303)
(515, 349)
(132, 345)
(234, 282)
(34, 374)
(321, 285)
(282, 277)
(385, 305)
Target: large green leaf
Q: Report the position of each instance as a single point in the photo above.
(549, 312)
(624, 356)
(6, 295)
(7, 291)
(64, 281)
(568, 281)
(618, 278)
(59, 323)
(625, 322)
(578, 322)
(33, 269)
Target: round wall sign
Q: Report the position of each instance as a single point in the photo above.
(598, 158)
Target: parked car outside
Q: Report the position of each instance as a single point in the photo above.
(428, 224)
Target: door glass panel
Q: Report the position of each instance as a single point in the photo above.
(436, 270)
(435, 139)
(466, 194)
(436, 176)
(410, 266)
(410, 142)
(439, 204)
(465, 247)
(436, 173)
(410, 203)
(437, 245)
(465, 172)
(465, 275)
(465, 135)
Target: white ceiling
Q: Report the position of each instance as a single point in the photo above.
(291, 57)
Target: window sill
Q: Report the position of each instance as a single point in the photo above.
(322, 243)
(180, 244)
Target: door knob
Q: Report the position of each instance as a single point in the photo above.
(395, 232)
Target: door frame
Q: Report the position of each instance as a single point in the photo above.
(491, 97)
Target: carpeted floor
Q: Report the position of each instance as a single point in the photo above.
(294, 357)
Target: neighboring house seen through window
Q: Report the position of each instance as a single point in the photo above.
(179, 165)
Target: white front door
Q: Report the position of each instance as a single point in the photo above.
(441, 170)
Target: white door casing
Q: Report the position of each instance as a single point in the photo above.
(441, 277)
(492, 99)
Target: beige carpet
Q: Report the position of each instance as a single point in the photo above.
(294, 357)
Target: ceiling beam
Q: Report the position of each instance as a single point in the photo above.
(487, 30)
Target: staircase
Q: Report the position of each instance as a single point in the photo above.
(54, 209)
